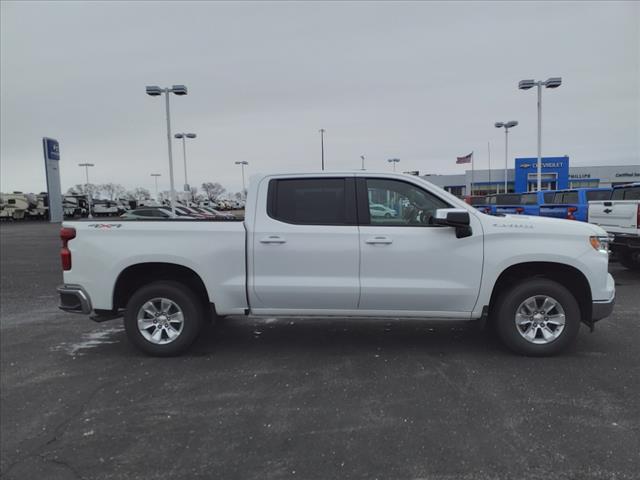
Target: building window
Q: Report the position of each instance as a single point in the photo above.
(457, 190)
(584, 183)
(491, 188)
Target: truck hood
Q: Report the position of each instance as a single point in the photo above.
(552, 226)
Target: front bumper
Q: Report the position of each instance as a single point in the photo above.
(74, 298)
(600, 310)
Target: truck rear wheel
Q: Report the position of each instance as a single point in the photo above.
(537, 317)
(163, 318)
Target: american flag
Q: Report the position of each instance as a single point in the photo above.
(465, 159)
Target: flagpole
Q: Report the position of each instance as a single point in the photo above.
(489, 152)
(471, 173)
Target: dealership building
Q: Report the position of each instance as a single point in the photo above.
(557, 174)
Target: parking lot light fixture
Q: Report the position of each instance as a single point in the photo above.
(242, 165)
(552, 82)
(183, 137)
(393, 161)
(86, 170)
(506, 126)
(156, 175)
(154, 91)
(362, 158)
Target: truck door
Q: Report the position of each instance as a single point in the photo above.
(407, 262)
(305, 253)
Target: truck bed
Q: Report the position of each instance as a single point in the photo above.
(214, 249)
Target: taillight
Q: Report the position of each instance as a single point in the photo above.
(570, 213)
(519, 210)
(66, 234)
(638, 217)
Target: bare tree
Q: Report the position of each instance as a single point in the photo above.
(139, 193)
(112, 190)
(213, 190)
(82, 189)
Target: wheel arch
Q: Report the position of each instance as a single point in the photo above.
(135, 276)
(568, 276)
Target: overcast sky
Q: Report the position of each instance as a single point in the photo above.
(423, 82)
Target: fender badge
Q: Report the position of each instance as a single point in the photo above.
(105, 226)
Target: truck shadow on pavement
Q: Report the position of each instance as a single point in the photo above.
(340, 336)
(233, 335)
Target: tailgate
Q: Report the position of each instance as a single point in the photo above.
(557, 211)
(618, 216)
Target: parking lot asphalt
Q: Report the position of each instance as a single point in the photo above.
(301, 398)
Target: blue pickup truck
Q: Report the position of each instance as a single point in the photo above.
(573, 204)
(531, 201)
(505, 204)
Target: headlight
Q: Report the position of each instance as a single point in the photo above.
(600, 243)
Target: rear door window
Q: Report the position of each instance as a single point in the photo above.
(312, 201)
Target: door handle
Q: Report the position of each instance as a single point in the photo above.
(275, 239)
(378, 241)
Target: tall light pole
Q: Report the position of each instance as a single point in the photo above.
(184, 137)
(156, 175)
(155, 91)
(507, 126)
(322, 130)
(393, 161)
(86, 170)
(553, 82)
(242, 164)
(362, 158)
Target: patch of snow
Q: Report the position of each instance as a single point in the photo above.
(89, 340)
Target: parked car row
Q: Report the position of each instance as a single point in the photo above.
(571, 204)
(616, 209)
(23, 206)
(181, 212)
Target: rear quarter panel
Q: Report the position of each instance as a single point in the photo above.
(213, 250)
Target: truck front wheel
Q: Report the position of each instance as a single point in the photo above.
(163, 318)
(537, 317)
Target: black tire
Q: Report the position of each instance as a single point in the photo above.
(387, 215)
(192, 310)
(507, 306)
(629, 260)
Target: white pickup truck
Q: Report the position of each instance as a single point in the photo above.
(309, 246)
(620, 217)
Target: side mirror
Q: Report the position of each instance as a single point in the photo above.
(457, 218)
